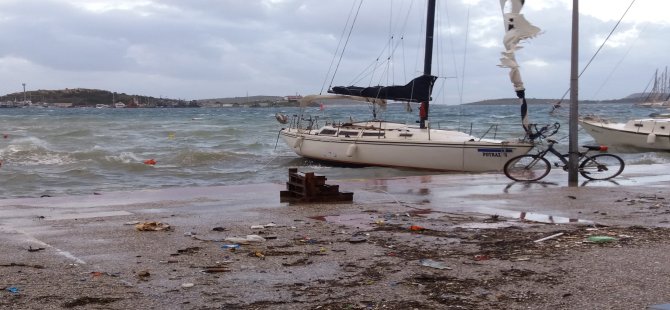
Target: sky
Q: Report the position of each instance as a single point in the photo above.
(199, 49)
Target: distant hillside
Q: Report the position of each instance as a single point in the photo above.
(506, 101)
(83, 97)
(241, 101)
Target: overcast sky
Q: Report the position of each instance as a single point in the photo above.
(197, 49)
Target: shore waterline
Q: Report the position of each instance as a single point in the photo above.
(82, 151)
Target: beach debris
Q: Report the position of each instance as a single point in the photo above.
(416, 228)
(187, 285)
(246, 240)
(31, 249)
(481, 257)
(152, 226)
(298, 262)
(601, 239)
(150, 162)
(258, 254)
(549, 237)
(132, 223)
(190, 234)
(189, 250)
(143, 275)
(215, 269)
(36, 266)
(13, 289)
(257, 226)
(358, 239)
(219, 228)
(230, 246)
(307, 187)
(434, 264)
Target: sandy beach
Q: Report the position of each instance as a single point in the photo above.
(453, 241)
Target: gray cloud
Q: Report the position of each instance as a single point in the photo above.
(207, 48)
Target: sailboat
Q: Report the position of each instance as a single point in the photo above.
(382, 143)
(660, 91)
(644, 133)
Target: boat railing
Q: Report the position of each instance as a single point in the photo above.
(493, 131)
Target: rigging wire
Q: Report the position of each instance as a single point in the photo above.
(558, 104)
(617, 65)
(337, 49)
(346, 42)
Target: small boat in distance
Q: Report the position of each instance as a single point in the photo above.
(646, 133)
(382, 143)
(101, 106)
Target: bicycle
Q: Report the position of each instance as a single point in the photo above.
(535, 167)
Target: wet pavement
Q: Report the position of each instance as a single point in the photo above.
(95, 233)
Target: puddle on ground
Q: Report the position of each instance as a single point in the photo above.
(531, 216)
(370, 220)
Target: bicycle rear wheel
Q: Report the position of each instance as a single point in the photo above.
(601, 167)
(527, 168)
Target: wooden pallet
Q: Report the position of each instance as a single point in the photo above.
(308, 187)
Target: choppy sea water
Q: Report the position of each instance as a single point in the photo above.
(59, 152)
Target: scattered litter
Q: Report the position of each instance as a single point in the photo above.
(357, 239)
(416, 228)
(190, 234)
(187, 285)
(131, 223)
(433, 264)
(270, 225)
(218, 228)
(31, 249)
(258, 254)
(152, 226)
(189, 250)
(13, 290)
(230, 246)
(601, 239)
(143, 274)
(215, 269)
(549, 237)
(481, 257)
(246, 240)
(257, 227)
(150, 162)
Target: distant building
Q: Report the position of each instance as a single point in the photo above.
(293, 98)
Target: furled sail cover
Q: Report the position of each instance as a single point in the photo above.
(417, 90)
(517, 28)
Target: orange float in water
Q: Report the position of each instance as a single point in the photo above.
(150, 162)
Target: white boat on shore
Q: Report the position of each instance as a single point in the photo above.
(647, 133)
(382, 143)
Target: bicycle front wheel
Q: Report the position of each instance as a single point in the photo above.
(601, 167)
(527, 168)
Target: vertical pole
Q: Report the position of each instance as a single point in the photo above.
(574, 95)
(428, 57)
(24, 92)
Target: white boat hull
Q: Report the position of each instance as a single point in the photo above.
(445, 151)
(651, 134)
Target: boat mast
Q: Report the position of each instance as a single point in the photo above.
(428, 58)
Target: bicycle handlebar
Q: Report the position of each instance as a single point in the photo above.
(542, 132)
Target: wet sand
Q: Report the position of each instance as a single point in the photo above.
(456, 241)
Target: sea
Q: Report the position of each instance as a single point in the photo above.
(48, 152)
